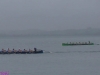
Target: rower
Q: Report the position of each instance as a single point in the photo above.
(8, 48)
(79, 43)
(3, 50)
(30, 50)
(20, 50)
(85, 42)
(14, 51)
(35, 49)
(89, 42)
(25, 50)
(9, 51)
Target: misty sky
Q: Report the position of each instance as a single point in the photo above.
(49, 14)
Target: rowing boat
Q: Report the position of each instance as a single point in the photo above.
(23, 52)
(66, 44)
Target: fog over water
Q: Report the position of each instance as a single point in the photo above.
(49, 15)
(45, 33)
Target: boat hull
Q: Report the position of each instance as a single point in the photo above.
(65, 44)
(35, 52)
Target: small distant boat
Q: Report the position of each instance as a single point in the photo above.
(73, 44)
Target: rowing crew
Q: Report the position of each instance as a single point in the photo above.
(80, 43)
(35, 49)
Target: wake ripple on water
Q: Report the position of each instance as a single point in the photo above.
(72, 52)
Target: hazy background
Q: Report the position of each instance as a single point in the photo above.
(32, 18)
(49, 14)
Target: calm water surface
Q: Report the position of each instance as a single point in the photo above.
(57, 60)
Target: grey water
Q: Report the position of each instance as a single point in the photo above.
(56, 59)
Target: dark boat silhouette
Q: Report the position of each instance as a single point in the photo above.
(21, 52)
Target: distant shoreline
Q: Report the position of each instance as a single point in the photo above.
(69, 32)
